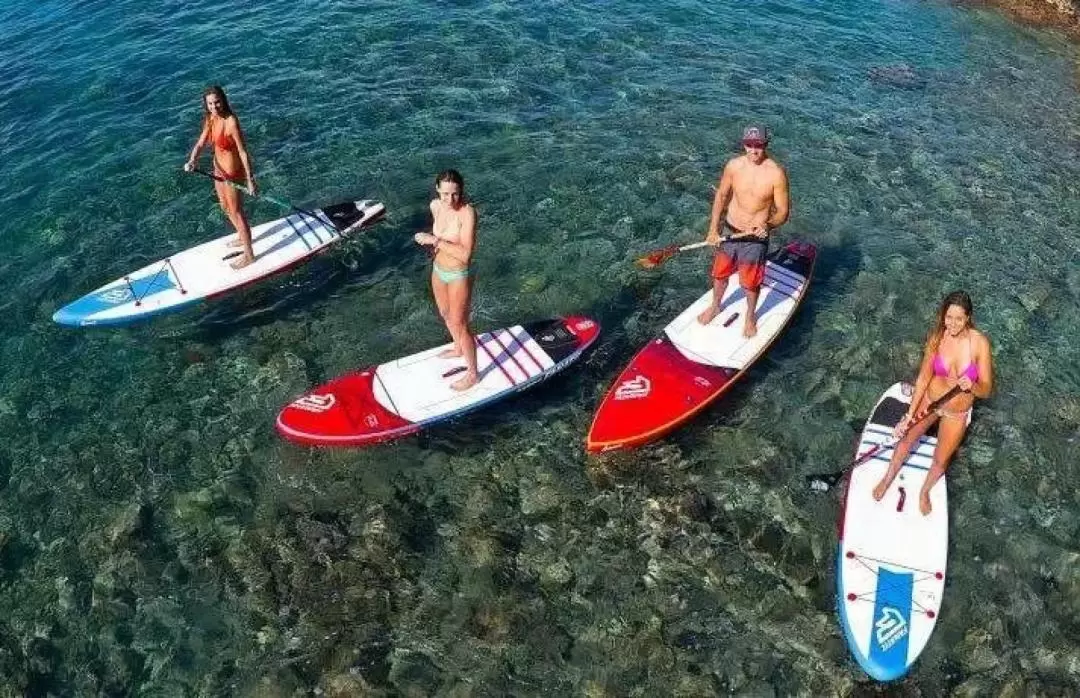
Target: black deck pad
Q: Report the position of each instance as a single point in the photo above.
(344, 215)
(554, 337)
(891, 411)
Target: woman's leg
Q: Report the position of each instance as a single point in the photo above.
(230, 204)
(459, 297)
(902, 450)
(950, 434)
(440, 290)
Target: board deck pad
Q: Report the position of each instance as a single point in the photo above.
(689, 365)
(204, 271)
(891, 559)
(402, 396)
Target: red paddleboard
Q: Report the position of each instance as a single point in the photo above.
(679, 373)
(403, 396)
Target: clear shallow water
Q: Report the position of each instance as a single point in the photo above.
(157, 538)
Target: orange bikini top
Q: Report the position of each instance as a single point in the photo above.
(222, 141)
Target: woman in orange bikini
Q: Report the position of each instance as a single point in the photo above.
(956, 354)
(452, 238)
(231, 161)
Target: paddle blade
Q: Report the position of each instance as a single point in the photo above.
(657, 257)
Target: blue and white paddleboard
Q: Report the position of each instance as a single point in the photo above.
(890, 574)
(203, 272)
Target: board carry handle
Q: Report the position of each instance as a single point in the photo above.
(823, 482)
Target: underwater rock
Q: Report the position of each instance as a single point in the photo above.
(132, 522)
(558, 573)
(492, 623)
(757, 688)
(975, 653)
(533, 283)
(348, 686)
(900, 75)
(323, 541)
(413, 674)
(538, 494)
(695, 506)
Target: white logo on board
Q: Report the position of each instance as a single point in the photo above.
(890, 627)
(315, 403)
(634, 388)
(585, 325)
(116, 296)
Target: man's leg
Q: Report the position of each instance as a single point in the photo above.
(750, 324)
(722, 269)
(751, 276)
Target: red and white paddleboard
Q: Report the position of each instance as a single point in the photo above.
(403, 396)
(676, 375)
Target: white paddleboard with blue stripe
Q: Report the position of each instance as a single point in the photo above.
(204, 271)
(891, 562)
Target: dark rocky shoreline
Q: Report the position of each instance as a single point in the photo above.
(1061, 14)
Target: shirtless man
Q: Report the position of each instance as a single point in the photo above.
(753, 191)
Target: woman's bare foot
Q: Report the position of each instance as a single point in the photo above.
(880, 490)
(465, 382)
(235, 243)
(709, 314)
(750, 328)
(451, 353)
(924, 502)
(242, 262)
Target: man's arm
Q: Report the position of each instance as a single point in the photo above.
(781, 202)
(720, 203)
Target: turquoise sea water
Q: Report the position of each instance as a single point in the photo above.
(157, 538)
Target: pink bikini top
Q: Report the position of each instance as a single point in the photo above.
(972, 370)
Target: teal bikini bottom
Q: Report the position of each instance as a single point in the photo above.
(449, 276)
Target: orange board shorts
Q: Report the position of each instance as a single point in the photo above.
(748, 257)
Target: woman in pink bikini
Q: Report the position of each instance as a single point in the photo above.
(956, 354)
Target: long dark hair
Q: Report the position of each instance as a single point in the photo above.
(452, 176)
(218, 92)
(959, 298)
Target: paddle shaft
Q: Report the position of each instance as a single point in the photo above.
(706, 243)
(657, 257)
(832, 478)
(266, 197)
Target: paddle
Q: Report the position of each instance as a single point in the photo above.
(823, 482)
(265, 197)
(658, 257)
